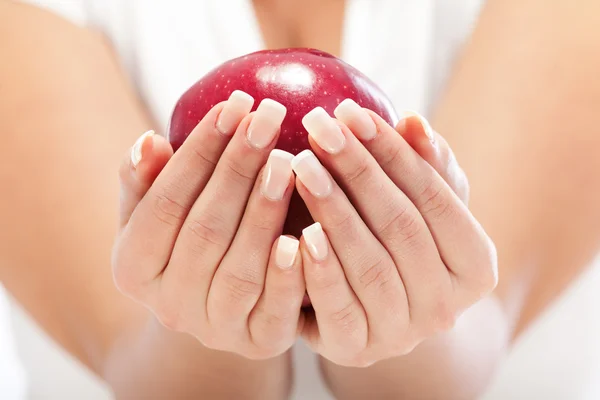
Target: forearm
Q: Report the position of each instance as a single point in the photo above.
(456, 365)
(153, 362)
(520, 113)
(67, 117)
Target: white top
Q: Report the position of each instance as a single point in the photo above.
(407, 47)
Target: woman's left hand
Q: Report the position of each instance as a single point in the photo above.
(396, 255)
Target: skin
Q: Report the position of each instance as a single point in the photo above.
(66, 153)
(517, 153)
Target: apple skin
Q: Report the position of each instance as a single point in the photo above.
(300, 79)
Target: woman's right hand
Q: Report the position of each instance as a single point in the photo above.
(199, 240)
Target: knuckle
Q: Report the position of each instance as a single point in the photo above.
(127, 282)
(444, 314)
(124, 275)
(326, 282)
(434, 203)
(168, 210)
(403, 224)
(209, 341)
(204, 161)
(207, 230)
(363, 361)
(360, 172)
(169, 316)
(355, 358)
(488, 271)
(441, 315)
(482, 278)
(347, 321)
(260, 225)
(376, 275)
(261, 353)
(342, 222)
(237, 172)
(242, 287)
(392, 158)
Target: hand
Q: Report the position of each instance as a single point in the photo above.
(395, 255)
(199, 232)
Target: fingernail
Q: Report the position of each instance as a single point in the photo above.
(312, 174)
(323, 129)
(136, 150)
(236, 108)
(316, 241)
(277, 173)
(286, 251)
(423, 121)
(357, 119)
(266, 123)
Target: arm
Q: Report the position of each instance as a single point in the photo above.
(520, 114)
(67, 116)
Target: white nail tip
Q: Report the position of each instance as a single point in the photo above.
(275, 109)
(316, 241)
(324, 130)
(303, 155)
(312, 174)
(136, 149)
(424, 122)
(277, 174)
(237, 106)
(284, 155)
(241, 97)
(314, 115)
(353, 115)
(285, 254)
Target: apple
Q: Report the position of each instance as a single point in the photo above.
(300, 79)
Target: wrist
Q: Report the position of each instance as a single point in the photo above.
(147, 359)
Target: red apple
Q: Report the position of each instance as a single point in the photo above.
(300, 79)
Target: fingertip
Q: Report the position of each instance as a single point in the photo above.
(315, 242)
(286, 252)
(155, 156)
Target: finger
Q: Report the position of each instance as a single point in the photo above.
(139, 169)
(213, 220)
(434, 149)
(338, 328)
(239, 281)
(273, 323)
(149, 236)
(389, 214)
(461, 241)
(367, 265)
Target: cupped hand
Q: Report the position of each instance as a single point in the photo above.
(199, 241)
(395, 256)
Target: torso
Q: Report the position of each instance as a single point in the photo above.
(317, 24)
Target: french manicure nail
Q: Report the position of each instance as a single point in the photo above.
(357, 119)
(323, 129)
(286, 251)
(423, 121)
(235, 109)
(312, 174)
(265, 123)
(277, 174)
(316, 241)
(136, 150)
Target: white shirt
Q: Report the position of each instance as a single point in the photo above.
(406, 46)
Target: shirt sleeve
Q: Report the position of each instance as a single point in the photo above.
(75, 11)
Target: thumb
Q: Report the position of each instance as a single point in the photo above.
(139, 168)
(434, 149)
